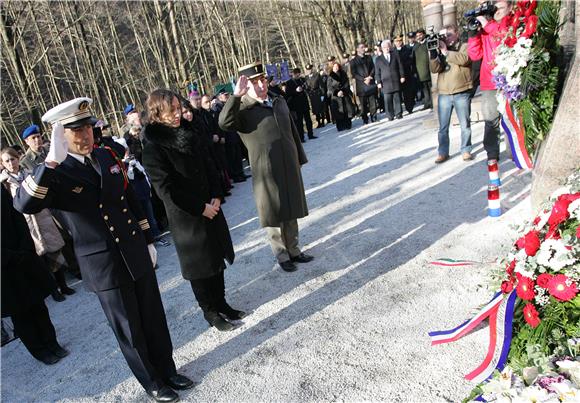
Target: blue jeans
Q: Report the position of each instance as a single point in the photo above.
(462, 104)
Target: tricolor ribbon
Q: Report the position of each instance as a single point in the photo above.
(500, 311)
(443, 261)
(515, 134)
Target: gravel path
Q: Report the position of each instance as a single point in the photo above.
(350, 326)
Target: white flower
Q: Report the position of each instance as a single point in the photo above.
(572, 368)
(574, 209)
(521, 266)
(560, 191)
(566, 390)
(544, 216)
(533, 394)
(554, 254)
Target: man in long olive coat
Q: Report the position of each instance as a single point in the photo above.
(266, 127)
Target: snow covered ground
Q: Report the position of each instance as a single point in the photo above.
(350, 326)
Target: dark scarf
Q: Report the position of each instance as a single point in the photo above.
(338, 77)
(183, 139)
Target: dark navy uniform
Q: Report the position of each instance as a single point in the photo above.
(96, 205)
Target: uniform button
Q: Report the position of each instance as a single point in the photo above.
(100, 206)
(112, 229)
(106, 217)
(129, 221)
(124, 210)
(133, 232)
(117, 240)
(122, 197)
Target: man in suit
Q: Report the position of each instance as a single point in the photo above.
(313, 89)
(298, 103)
(87, 190)
(363, 71)
(389, 74)
(408, 86)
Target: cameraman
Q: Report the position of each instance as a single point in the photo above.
(481, 45)
(453, 66)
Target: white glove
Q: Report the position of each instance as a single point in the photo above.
(58, 145)
(4, 176)
(152, 253)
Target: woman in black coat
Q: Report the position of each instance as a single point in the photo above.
(185, 178)
(25, 285)
(340, 95)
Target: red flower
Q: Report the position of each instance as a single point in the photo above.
(531, 7)
(530, 242)
(536, 220)
(510, 41)
(578, 232)
(530, 27)
(543, 280)
(525, 288)
(560, 208)
(560, 290)
(531, 315)
(510, 268)
(507, 287)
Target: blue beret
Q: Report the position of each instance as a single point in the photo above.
(30, 130)
(128, 109)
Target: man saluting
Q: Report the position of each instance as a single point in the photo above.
(276, 154)
(88, 192)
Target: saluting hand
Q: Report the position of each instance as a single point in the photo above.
(241, 88)
(210, 211)
(58, 145)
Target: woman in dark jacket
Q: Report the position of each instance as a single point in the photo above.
(25, 284)
(183, 174)
(340, 95)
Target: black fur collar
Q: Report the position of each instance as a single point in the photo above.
(182, 139)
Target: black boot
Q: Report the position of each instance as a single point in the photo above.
(214, 319)
(57, 296)
(229, 312)
(61, 282)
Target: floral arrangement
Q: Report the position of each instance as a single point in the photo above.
(543, 269)
(526, 72)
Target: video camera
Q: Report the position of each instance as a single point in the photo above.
(433, 39)
(486, 9)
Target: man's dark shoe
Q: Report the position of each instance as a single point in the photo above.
(399, 117)
(302, 258)
(47, 357)
(239, 179)
(231, 313)
(67, 290)
(312, 137)
(288, 266)
(179, 382)
(57, 350)
(57, 296)
(214, 319)
(164, 394)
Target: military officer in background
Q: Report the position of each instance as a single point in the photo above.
(87, 190)
(36, 152)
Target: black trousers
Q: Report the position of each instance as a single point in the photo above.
(409, 90)
(393, 104)
(209, 292)
(234, 157)
(426, 89)
(135, 313)
(35, 329)
(301, 116)
(368, 105)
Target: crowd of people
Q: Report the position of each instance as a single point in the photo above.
(97, 204)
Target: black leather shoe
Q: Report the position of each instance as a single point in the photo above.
(312, 137)
(179, 382)
(57, 296)
(288, 266)
(67, 290)
(47, 357)
(215, 320)
(57, 350)
(302, 258)
(231, 313)
(164, 394)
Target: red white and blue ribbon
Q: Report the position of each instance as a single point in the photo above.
(500, 311)
(515, 134)
(444, 261)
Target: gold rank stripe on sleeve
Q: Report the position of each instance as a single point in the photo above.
(33, 189)
(144, 224)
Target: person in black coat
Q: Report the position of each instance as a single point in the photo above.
(389, 73)
(26, 282)
(86, 189)
(340, 95)
(297, 100)
(362, 69)
(186, 179)
(408, 87)
(315, 95)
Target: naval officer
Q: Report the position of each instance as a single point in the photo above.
(89, 194)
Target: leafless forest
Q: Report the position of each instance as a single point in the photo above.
(117, 51)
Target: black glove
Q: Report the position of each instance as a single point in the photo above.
(433, 54)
